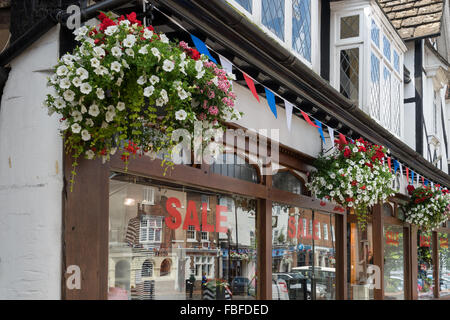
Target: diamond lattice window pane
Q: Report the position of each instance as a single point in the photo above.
(246, 4)
(396, 61)
(349, 27)
(349, 73)
(375, 34)
(395, 108)
(301, 27)
(386, 99)
(374, 87)
(273, 16)
(386, 48)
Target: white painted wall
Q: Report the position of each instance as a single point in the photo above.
(409, 136)
(30, 179)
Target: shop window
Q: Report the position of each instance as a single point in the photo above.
(425, 277)
(236, 167)
(272, 16)
(325, 231)
(303, 262)
(401, 213)
(444, 265)
(360, 258)
(301, 27)
(349, 27)
(388, 211)
(285, 180)
(159, 266)
(349, 73)
(393, 263)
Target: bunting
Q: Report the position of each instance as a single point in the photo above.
(389, 163)
(251, 85)
(319, 127)
(331, 133)
(308, 119)
(396, 165)
(407, 175)
(288, 107)
(271, 101)
(202, 48)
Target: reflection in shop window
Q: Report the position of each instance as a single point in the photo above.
(393, 263)
(444, 265)
(303, 263)
(173, 247)
(425, 280)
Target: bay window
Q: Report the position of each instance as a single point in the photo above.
(367, 60)
(293, 23)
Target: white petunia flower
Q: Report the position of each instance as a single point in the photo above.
(85, 88)
(129, 41)
(77, 116)
(109, 116)
(182, 94)
(111, 30)
(168, 65)
(116, 52)
(125, 64)
(100, 93)
(65, 83)
(119, 82)
(59, 103)
(129, 52)
(76, 82)
(164, 96)
(141, 80)
(99, 52)
(148, 91)
(62, 71)
(143, 50)
(115, 66)
(83, 73)
(94, 110)
(85, 135)
(154, 79)
(160, 102)
(90, 154)
(147, 33)
(156, 53)
(215, 80)
(81, 31)
(76, 128)
(90, 123)
(180, 115)
(120, 106)
(200, 74)
(164, 38)
(83, 109)
(95, 63)
(64, 125)
(69, 95)
(199, 65)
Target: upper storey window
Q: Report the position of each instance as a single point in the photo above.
(293, 23)
(367, 61)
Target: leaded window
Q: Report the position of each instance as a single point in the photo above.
(374, 87)
(233, 166)
(272, 16)
(246, 4)
(386, 98)
(375, 33)
(386, 48)
(349, 73)
(301, 27)
(396, 61)
(349, 27)
(284, 180)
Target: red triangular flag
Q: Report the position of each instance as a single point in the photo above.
(389, 163)
(308, 119)
(407, 175)
(251, 85)
(423, 180)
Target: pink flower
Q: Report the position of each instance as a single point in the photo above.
(202, 116)
(205, 104)
(183, 45)
(213, 110)
(211, 94)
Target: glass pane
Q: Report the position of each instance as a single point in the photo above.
(388, 210)
(425, 281)
(349, 73)
(395, 105)
(235, 167)
(273, 16)
(158, 262)
(386, 98)
(349, 27)
(374, 87)
(284, 180)
(396, 61)
(301, 27)
(393, 263)
(303, 263)
(375, 34)
(386, 48)
(360, 258)
(444, 265)
(246, 4)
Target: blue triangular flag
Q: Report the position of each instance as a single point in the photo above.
(201, 47)
(271, 101)
(412, 176)
(395, 166)
(319, 127)
(426, 182)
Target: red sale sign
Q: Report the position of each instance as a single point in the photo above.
(173, 221)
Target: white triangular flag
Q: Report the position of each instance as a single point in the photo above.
(288, 106)
(331, 133)
(226, 65)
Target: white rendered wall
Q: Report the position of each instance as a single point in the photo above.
(30, 179)
(409, 113)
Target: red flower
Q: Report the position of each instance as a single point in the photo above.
(347, 153)
(410, 189)
(349, 199)
(132, 18)
(363, 188)
(354, 183)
